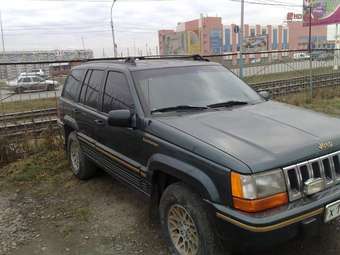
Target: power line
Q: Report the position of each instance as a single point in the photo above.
(272, 3)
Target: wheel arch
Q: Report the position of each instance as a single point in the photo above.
(165, 170)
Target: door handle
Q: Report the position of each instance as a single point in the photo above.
(76, 110)
(100, 122)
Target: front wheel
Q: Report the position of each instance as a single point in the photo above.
(185, 222)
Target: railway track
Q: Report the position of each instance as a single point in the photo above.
(295, 85)
(35, 122)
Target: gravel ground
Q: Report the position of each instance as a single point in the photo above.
(101, 216)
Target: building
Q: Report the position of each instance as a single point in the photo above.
(299, 36)
(208, 36)
(9, 72)
(199, 36)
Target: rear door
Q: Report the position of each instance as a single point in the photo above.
(86, 111)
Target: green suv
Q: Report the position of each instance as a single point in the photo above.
(224, 168)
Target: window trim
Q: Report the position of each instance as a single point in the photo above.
(104, 87)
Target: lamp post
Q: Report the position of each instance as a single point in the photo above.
(241, 34)
(113, 32)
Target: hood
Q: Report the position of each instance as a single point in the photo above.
(263, 136)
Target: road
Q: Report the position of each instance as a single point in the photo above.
(44, 209)
(282, 67)
(7, 96)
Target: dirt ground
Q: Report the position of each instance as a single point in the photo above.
(45, 210)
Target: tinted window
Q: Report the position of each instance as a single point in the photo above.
(35, 79)
(116, 94)
(93, 88)
(26, 80)
(72, 84)
(195, 86)
(86, 83)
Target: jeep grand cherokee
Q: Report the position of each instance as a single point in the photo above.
(218, 161)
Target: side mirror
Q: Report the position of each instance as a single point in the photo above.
(265, 94)
(119, 118)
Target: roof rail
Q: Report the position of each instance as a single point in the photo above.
(132, 60)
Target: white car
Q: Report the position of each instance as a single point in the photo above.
(32, 83)
(301, 55)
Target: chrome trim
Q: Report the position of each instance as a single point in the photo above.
(312, 173)
(271, 227)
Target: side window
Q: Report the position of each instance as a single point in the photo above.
(26, 80)
(72, 84)
(93, 87)
(117, 95)
(84, 88)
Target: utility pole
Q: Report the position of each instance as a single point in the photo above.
(83, 42)
(310, 51)
(336, 52)
(113, 31)
(241, 34)
(2, 34)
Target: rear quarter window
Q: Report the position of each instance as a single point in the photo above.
(73, 85)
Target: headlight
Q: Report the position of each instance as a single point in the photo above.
(258, 192)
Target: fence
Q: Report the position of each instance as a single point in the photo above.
(27, 113)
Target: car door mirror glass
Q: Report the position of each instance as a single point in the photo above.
(119, 118)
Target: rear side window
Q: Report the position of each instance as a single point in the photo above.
(73, 84)
(92, 88)
(116, 93)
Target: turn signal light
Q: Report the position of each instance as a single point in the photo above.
(259, 205)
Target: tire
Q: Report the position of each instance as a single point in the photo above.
(50, 87)
(19, 90)
(178, 201)
(82, 167)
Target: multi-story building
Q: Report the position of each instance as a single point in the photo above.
(12, 71)
(207, 36)
(199, 36)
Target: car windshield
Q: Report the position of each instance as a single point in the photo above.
(196, 86)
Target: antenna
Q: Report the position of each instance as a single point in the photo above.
(2, 33)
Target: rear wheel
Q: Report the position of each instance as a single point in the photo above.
(50, 87)
(82, 167)
(185, 222)
(19, 90)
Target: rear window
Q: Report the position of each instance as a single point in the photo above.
(73, 84)
(91, 87)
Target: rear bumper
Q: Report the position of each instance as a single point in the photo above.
(261, 230)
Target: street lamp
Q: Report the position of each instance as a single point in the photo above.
(113, 32)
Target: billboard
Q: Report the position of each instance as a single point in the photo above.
(194, 46)
(256, 43)
(324, 12)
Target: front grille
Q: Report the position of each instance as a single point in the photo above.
(326, 167)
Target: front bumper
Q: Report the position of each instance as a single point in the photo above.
(276, 225)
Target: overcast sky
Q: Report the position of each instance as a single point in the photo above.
(61, 24)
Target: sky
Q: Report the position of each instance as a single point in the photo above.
(72, 24)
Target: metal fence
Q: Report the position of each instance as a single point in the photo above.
(29, 112)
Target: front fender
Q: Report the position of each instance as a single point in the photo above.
(185, 172)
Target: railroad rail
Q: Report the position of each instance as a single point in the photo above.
(33, 128)
(37, 121)
(299, 84)
(17, 116)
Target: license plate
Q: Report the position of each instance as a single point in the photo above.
(332, 211)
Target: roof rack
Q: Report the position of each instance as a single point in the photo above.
(132, 60)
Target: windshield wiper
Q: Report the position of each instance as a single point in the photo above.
(227, 104)
(179, 108)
